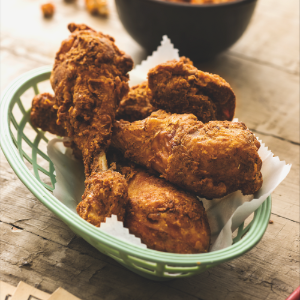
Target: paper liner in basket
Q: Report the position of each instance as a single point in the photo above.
(70, 187)
(164, 52)
(224, 215)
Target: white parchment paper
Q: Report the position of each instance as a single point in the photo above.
(69, 188)
(224, 215)
(164, 52)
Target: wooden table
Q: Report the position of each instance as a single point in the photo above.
(262, 68)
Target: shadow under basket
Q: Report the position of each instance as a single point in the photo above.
(27, 157)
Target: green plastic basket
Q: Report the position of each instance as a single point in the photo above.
(36, 171)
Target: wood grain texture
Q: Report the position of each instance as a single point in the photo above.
(263, 69)
(270, 269)
(272, 37)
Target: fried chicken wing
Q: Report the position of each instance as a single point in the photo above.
(211, 160)
(179, 87)
(136, 105)
(165, 217)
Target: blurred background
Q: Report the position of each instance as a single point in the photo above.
(262, 67)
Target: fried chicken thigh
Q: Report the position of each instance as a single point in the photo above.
(211, 160)
(165, 217)
(179, 87)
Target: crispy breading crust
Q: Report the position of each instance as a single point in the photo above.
(105, 194)
(211, 160)
(179, 87)
(43, 115)
(89, 79)
(163, 216)
(136, 105)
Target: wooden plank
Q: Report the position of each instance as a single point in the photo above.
(285, 198)
(20, 66)
(272, 37)
(20, 208)
(270, 269)
(69, 268)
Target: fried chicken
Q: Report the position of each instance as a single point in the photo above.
(43, 115)
(143, 149)
(105, 194)
(89, 79)
(179, 87)
(101, 188)
(186, 60)
(136, 105)
(166, 218)
(211, 160)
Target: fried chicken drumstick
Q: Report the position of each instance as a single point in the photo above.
(179, 87)
(106, 193)
(136, 105)
(211, 160)
(165, 217)
(89, 79)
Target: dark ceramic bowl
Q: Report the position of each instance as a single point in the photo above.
(200, 32)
